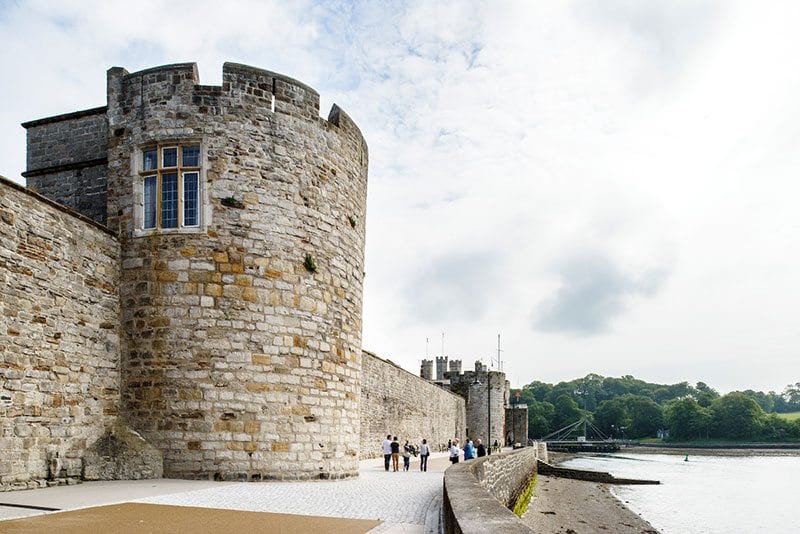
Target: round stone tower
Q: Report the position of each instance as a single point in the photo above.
(241, 217)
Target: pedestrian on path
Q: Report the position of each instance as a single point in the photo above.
(455, 451)
(387, 451)
(395, 445)
(424, 452)
(480, 449)
(407, 450)
(469, 451)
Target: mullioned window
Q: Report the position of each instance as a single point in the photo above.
(169, 176)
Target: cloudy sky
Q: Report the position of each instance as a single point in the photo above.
(612, 186)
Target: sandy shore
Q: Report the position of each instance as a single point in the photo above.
(561, 505)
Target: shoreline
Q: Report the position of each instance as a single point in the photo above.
(561, 505)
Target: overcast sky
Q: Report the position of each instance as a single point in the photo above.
(612, 186)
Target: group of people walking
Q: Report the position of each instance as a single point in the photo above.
(392, 453)
(470, 451)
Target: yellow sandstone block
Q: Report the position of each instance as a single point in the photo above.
(261, 359)
(212, 290)
(167, 276)
(244, 280)
(250, 295)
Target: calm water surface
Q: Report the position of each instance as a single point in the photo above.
(708, 494)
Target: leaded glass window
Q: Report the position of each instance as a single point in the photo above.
(170, 178)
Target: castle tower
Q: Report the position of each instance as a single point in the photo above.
(486, 401)
(426, 369)
(441, 367)
(455, 367)
(240, 214)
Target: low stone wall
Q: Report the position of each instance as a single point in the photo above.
(546, 469)
(478, 494)
(394, 401)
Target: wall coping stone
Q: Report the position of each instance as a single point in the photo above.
(65, 117)
(5, 182)
(390, 362)
(468, 506)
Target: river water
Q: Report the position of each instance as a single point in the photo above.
(707, 494)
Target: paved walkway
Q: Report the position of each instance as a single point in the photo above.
(407, 502)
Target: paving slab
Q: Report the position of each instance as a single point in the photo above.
(403, 501)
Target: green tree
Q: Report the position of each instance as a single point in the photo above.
(663, 394)
(537, 390)
(611, 415)
(686, 419)
(565, 412)
(645, 416)
(736, 416)
(704, 394)
(792, 397)
(766, 401)
(540, 414)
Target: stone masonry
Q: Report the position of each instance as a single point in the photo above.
(394, 401)
(67, 160)
(59, 338)
(240, 362)
(239, 346)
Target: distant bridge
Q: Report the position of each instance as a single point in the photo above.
(580, 436)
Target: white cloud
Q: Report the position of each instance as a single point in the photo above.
(515, 148)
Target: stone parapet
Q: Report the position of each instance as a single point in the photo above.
(478, 494)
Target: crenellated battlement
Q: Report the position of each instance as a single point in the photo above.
(243, 86)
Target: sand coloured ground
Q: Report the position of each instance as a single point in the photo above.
(138, 518)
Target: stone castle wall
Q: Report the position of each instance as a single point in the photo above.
(238, 361)
(67, 160)
(394, 401)
(59, 337)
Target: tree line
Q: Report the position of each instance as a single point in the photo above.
(629, 408)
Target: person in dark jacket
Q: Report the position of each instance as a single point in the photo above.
(480, 448)
(395, 446)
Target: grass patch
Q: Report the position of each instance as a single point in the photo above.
(524, 499)
(793, 416)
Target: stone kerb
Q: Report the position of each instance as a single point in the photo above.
(477, 493)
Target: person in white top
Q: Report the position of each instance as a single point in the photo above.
(424, 452)
(455, 451)
(387, 451)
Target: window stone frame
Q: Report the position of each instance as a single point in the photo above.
(138, 175)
